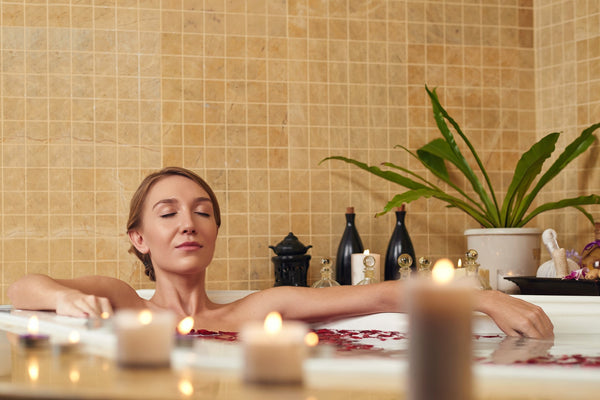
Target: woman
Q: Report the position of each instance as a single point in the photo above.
(173, 223)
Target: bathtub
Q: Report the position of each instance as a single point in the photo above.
(577, 330)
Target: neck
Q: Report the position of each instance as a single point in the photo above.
(183, 294)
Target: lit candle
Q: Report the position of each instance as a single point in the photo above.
(274, 351)
(98, 322)
(71, 344)
(33, 339)
(460, 271)
(144, 338)
(358, 266)
(440, 312)
(504, 285)
(184, 327)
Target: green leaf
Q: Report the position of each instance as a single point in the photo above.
(529, 166)
(572, 151)
(589, 216)
(459, 161)
(575, 202)
(387, 175)
(432, 156)
(411, 195)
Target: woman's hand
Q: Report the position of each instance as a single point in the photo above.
(514, 316)
(74, 303)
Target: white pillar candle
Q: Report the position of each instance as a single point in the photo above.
(358, 266)
(440, 357)
(144, 338)
(274, 351)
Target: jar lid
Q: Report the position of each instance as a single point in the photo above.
(290, 245)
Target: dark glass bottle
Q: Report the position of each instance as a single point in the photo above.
(349, 244)
(399, 243)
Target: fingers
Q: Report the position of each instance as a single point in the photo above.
(85, 306)
(514, 316)
(534, 322)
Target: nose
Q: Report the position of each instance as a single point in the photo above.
(187, 225)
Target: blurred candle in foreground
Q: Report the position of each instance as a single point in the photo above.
(33, 338)
(144, 338)
(274, 352)
(184, 327)
(440, 312)
(72, 343)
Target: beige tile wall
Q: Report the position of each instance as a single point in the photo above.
(568, 99)
(252, 95)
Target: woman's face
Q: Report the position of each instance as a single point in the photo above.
(178, 228)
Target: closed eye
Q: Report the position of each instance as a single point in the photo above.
(203, 214)
(167, 215)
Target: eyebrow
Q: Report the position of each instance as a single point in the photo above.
(174, 201)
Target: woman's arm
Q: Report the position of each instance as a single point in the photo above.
(513, 316)
(79, 297)
(312, 305)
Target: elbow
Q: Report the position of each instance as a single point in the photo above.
(12, 292)
(16, 291)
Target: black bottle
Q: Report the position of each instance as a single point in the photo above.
(399, 243)
(349, 244)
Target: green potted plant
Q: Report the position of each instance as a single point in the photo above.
(513, 211)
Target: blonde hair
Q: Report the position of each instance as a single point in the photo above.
(136, 206)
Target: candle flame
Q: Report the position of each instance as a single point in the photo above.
(33, 369)
(443, 271)
(185, 325)
(33, 326)
(185, 387)
(311, 339)
(145, 317)
(366, 252)
(74, 337)
(273, 322)
(459, 265)
(104, 315)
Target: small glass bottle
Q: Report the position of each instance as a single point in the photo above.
(424, 267)
(369, 263)
(472, 267)
(405, 262)
(326, 279)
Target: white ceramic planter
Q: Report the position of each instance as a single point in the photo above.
(506, 251)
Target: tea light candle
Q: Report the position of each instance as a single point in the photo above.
(274, 352)
(358, 266)
(71, 344)
(460, 271)
(183, 328)
(33, 339)
(144, 338)
(504, 285)
(98, 322)
(440, 312)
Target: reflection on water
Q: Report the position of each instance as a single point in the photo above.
(520, 349)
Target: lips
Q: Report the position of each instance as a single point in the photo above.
(189, 246)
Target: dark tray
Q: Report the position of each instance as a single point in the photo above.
(556, 286)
